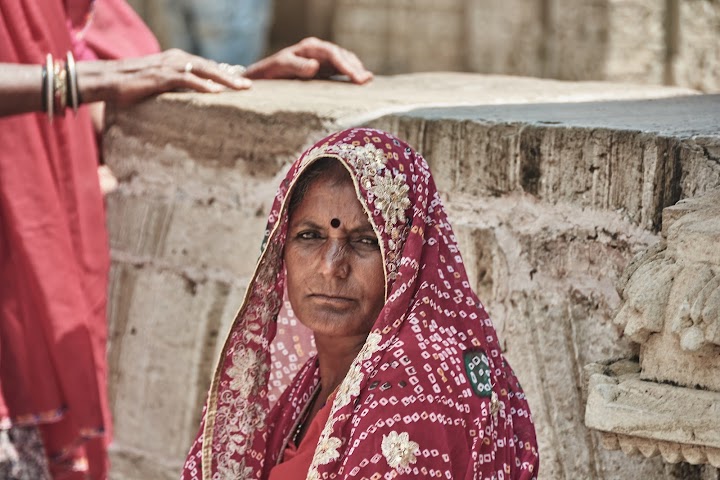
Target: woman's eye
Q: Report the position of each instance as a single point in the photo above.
(308, 235)
(369, 241)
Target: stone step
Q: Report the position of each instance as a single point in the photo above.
(654, 418)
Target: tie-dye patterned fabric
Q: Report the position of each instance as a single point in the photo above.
(429, 395)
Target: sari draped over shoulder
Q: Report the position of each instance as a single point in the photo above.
(430, 393)
(54, 257)
(116, 31)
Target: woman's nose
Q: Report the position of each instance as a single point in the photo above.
(335, 261)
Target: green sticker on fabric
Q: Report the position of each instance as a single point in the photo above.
(477, 368)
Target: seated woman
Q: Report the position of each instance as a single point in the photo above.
(408, 380)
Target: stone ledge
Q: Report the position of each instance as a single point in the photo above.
(670, 452)
(635, 157)
(680, 423)
(239, 124)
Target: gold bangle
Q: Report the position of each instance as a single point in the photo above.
(49, 86)
(60, 90)
(73, 97)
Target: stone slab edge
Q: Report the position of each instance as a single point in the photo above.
(631, 413)
(255, 117)
(671, 452)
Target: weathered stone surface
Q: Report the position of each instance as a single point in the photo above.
(651, 418)
(163, 340)
(505, 37)
(403, 35)
(623, 156)
(543, 246)
(671, 404)
(672, 298)
(163, 201)
(621, 40)
(687, 351)
(129, 464)
(636, 41)
(546, 278)
(693, 235)
(577, 36)
(696, 63)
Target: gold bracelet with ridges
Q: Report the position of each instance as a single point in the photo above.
(73, 97)
(60, 84)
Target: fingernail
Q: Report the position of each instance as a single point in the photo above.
(214, 86)
(241, 82)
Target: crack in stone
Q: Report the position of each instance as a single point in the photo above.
(710, 156)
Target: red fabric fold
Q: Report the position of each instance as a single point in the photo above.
(54, 258)
(116, 31)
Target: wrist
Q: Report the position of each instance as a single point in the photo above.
(92, 82)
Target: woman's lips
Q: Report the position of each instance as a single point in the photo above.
(334, 300)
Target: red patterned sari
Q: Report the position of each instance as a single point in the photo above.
(429, 395)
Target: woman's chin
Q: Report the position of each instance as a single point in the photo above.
(336, 326)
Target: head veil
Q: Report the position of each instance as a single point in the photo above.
(430, 393)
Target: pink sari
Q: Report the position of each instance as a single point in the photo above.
(54, 257)
(116, 31)
(53, 261)
(430, 394)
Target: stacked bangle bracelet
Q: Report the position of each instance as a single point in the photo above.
(59, 86)
(73, 98)
(48, 86)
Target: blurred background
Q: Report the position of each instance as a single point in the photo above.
(660, 42)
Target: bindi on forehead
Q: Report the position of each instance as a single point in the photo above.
(335, 223)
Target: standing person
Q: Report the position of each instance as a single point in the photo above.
(408, 381)
(53, 244)
(231, 31)
(54, 256)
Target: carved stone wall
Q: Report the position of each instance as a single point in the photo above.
(551, 187)
(669, 402)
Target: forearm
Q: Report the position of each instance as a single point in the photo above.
(121, 82)
(20, 88)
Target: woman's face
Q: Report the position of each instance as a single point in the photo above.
(335, 276)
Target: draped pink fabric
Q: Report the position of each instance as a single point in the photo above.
(429, 395)
(116, 31)
(53, 257)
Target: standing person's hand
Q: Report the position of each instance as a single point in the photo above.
(311, 58)
(124, 82)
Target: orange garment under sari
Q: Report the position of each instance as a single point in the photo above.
(296, 460)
